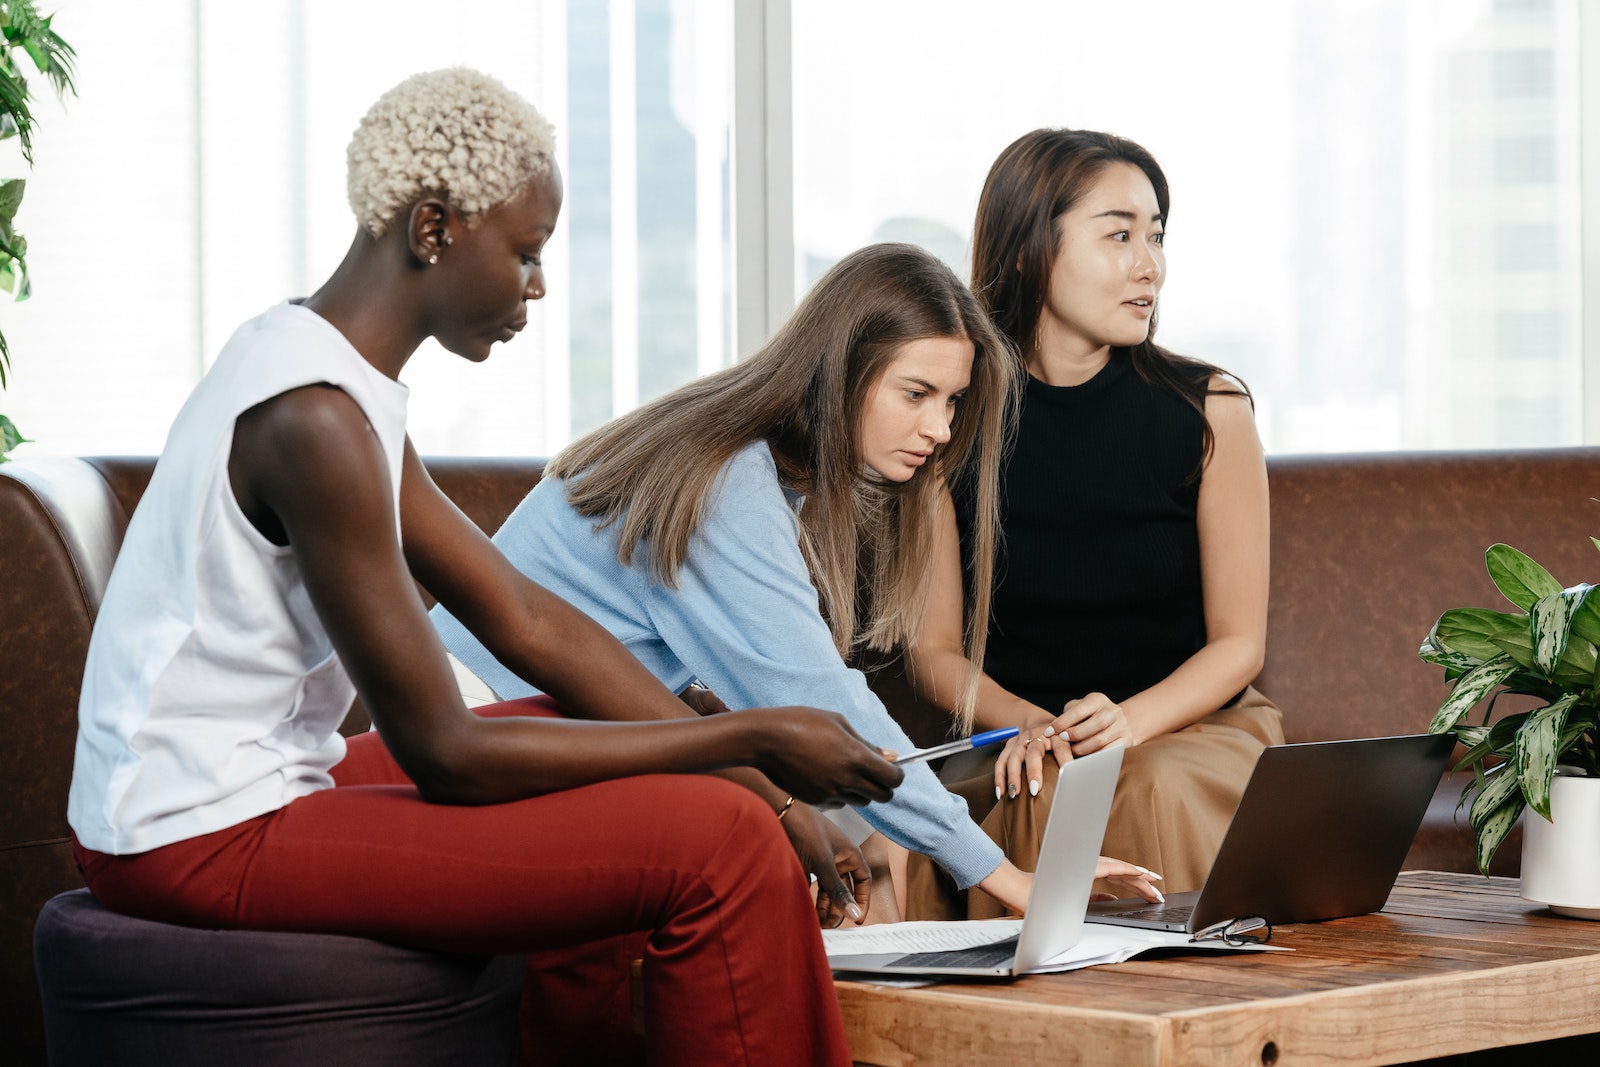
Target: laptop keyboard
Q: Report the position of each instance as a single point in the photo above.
(996, 955)
(1174, 913)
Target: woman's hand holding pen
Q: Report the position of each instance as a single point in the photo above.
(818, 757)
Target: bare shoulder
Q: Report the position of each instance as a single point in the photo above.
(312, 446)
(1230, 412)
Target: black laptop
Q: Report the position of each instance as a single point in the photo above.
(1320, 833)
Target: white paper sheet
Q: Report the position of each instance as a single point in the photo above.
(1097, 944)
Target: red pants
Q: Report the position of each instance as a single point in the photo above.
(734, 970)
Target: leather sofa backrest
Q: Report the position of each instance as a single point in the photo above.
(1369, 550)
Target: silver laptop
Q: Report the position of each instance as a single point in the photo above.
(1320, 833)
(1056, 903)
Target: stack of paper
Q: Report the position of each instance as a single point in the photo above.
(1096, 944)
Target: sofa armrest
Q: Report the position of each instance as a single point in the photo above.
(62, 527)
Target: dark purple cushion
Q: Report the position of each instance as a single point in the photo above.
(128, 991)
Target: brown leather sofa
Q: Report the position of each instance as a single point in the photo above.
(1367, 551)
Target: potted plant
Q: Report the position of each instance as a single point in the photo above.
(22, 30)
(1546, 758)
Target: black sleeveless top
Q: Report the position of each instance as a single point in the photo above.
(1098, 580)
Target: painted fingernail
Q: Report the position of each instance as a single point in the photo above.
(1147, 872)
(997, 792)
(1013, 792)
(854, 911)
(1049, 731)
(1033, 788)
(1159, 897)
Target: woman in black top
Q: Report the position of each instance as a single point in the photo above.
(1130, 604)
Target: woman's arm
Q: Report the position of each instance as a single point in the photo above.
(308, 472)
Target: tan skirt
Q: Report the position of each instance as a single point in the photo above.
(1174, 799)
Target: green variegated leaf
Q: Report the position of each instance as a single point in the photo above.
(1503, 734)
(1475, 743)
(1492, 829)
(1577, 663)
(1470, 630)
(1586, 620)
(1456, 662)
(1538, 745)
(1519, 579)
(1519, 646)
(1551, 623)
(1469, 689)
(1498, 787)
(1576, 727)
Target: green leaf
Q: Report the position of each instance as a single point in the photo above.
(1519, 646)
(14, 102)
(1498, 786)
(14, 279)
(11, 190)
(1470, 630)
(1538, 745)
(1469, 689)
(1586, 620)
(10, 437)
(1551, 621)
(1519, 579)
(1493, 826)
(1454, 663)
(1577, 665)
(1503, 734)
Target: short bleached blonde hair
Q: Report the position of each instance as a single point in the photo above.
(454, 133)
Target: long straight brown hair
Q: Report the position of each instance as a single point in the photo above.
(866, 541)
(1036, 180)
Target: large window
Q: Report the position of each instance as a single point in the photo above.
(1377, 219)
(1375, 214)
(199, 178)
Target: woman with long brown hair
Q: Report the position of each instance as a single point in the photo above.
(755, 528)
(1130, 602)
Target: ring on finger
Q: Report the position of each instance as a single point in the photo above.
(1031, 740)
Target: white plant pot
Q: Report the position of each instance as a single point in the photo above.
(1561, 857)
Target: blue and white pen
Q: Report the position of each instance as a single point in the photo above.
(988, 737)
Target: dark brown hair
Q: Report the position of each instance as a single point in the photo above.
(1035, 181)
(866, 541)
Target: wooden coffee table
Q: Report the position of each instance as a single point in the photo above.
(1454, 963)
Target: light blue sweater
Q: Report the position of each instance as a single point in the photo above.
(743, 620)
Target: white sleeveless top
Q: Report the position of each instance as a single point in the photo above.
(212, 693)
